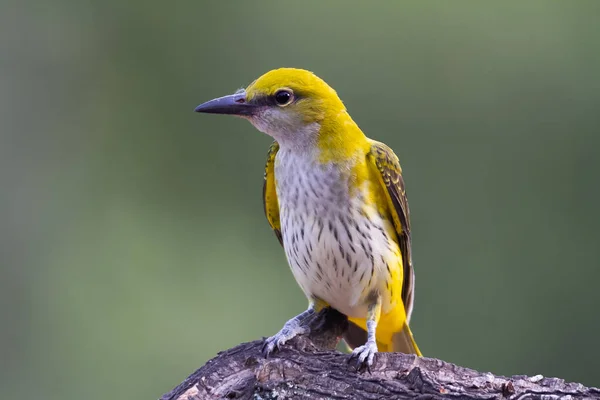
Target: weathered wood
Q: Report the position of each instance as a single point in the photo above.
(310, 368)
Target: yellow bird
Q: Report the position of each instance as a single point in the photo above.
(336, 201)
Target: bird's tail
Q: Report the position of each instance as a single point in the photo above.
(402, 341)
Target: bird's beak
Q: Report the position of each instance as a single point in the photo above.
(234, 104)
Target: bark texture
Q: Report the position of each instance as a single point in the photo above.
(310, 368)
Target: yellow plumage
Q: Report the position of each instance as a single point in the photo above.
(381, 167)
(337, 203)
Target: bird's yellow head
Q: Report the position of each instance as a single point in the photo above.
(288, 104)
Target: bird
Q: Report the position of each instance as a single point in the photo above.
(336, 201)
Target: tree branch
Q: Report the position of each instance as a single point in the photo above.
(310, 368)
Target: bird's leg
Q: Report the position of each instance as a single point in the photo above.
(294, 327)
(366, 352)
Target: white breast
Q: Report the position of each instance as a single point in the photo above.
(335, 245)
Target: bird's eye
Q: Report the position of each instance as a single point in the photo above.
(283, 97)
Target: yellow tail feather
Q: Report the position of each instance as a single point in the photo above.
(404, 342)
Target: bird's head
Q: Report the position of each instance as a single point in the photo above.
(288, 104)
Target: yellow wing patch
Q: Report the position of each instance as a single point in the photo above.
(388, 169)
(270, 201)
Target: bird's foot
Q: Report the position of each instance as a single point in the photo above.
(291, 329)
(364, 355)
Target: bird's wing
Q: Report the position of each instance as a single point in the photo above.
(269, 193)
(390, 176)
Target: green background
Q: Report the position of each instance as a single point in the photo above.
(132, 238)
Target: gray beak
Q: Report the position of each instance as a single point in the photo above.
(234, 104)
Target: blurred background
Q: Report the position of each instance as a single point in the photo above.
(133, 244)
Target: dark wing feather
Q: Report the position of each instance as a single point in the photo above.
(391, 176)
(270, 201)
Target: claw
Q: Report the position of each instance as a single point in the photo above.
(290, 330)
(350, 358)
(364, 355)
(267, 347)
